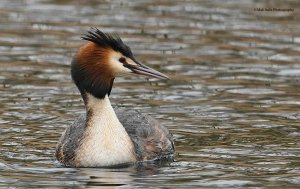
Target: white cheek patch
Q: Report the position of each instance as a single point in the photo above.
(116, 66)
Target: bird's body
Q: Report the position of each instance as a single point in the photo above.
(105, 137)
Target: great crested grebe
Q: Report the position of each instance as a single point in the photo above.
(103, 137)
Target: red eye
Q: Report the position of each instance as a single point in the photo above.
(122, 60)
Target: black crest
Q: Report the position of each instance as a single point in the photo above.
(107, 40)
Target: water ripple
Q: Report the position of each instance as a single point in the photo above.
(232, 103)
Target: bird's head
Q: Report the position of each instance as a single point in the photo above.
(103, 58)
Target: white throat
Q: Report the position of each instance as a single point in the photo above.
(105, 140)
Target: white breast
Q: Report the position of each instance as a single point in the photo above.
(105, 141)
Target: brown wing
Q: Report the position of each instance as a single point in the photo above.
(152, 141)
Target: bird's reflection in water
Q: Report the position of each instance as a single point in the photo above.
(121, 175)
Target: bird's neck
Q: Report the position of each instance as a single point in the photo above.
(106, 141)
(101, 115)
(99, 108)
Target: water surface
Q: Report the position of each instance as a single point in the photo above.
(233, 102)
